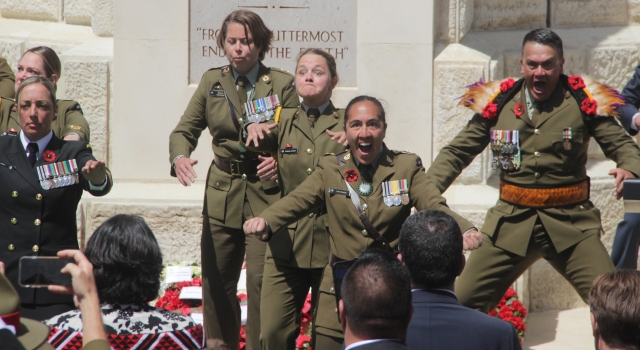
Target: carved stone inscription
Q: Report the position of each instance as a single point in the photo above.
(330, 25)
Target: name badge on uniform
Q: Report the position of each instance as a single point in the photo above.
(289, 151)
(333, 191)
(261, 110)
(216, 93)
(60, 174)
(395, 192)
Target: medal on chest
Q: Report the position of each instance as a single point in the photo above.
(59, 174)
(567, 137)
(395, 193)
(261, 110)
(505, 148)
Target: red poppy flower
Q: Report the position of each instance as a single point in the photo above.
(49, 156)
(351, 175)
(589, 106)
(507, 85)
(576, 82)
(490, 111)
(518, 109)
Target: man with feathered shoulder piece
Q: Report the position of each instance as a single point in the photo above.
(538, 129)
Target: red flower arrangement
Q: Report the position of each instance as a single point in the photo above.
(576, 82)
(351, 175)
(589, 106)
(49, 156)
(510, 309)
(490, 111)
(518, 109)
(507, 85)
(171, 299)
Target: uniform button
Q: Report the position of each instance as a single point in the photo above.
(217, 183)
(11, 247)
(537, 131)
(240, 120)
(365, 233)
(242, 156)
(365, 206)
(14, 221)
(309, 171)
(35, 248)
(37, 222)
(331, 290)
(311, 215)
(244, 177)
(14, 194)
(582, 207)
(309, 151)
(537, 175)
(38, 197)
(536, 153)
(277, 181)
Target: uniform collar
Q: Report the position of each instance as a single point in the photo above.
(321, 108)
(252, 74)
(42, 143)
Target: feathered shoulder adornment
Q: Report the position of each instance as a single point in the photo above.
(488, 98)
(595, 99)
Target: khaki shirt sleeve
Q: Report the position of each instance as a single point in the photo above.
(459, 153)
(300, 202)
(74, 121)
(615, 143)
(97, 344)
(7, 80)
(426, 196)
(184, 138)
(290, 97)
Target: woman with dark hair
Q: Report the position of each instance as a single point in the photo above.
(294, 262)
(127, 263)
(223, 102)
(368, 192)
(69, 122)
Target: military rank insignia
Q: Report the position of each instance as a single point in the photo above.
(261, 110)
(395, 192)
(60, 174)
(505, 147)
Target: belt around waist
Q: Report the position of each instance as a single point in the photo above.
(237, 167)
(544, 197)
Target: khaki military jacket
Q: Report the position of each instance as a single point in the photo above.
(348, 236)
(545, 162)
(7, 80)
(299, 150)
(68, 119)
(209, 108)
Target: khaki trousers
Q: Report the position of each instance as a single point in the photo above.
(283, 296)
(223, 251)
(490, 270)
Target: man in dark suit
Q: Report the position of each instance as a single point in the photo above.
(431, 248)
(624, 252)
(376, 302)
(43, 178)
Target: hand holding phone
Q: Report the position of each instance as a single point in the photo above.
(42, 271)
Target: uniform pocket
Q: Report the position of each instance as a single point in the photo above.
(585, 216)
(495, 215)
(326, 315)
(217, 190)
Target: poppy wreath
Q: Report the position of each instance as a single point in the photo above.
(49, 156)
(510, 309)
(171, 299)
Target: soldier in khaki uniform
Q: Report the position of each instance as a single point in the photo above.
(389, 183)
(234, 191)
(69, 122)
(294, 262)
(7, 80)
(539, 130)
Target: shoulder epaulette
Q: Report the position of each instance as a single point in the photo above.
(418, 159)
(221, 67)
(280, 70)
(487, 99)
(402, 152)
(10, 132)
(595, 99)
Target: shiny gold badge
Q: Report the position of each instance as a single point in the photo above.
(225, 69)
(88, 145)
(75, 127)
(266, 78)
(347, 156)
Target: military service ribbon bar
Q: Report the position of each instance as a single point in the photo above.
(60, 174)
(395, 192)
(261, 110)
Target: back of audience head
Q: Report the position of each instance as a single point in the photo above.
(376, 297)
(430, 246)
(127, 260)
(615, 310)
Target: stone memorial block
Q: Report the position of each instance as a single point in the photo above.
(588, 13)
(330, 25)
(515, 14)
